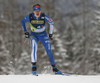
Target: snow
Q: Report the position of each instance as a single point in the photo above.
(47, 78)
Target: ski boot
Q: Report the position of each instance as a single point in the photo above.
(55, 70)
(34, 69)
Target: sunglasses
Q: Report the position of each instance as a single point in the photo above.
(38, 10)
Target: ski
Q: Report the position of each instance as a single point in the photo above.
(70, 75)
(65, 74)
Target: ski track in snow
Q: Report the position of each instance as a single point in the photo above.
(47, 78)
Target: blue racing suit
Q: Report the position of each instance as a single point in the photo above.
(38, 33)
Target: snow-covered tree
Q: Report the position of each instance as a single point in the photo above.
(96, 43)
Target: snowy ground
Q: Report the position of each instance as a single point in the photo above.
(46, 78)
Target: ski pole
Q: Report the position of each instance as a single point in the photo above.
(20, 47)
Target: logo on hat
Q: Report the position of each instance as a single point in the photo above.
(36, 6)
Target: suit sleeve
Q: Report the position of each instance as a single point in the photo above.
(23, 21)
(50, 21)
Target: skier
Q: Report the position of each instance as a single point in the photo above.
(37, 21)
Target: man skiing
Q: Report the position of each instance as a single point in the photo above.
(37, 21)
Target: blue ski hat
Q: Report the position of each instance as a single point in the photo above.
(36, 6)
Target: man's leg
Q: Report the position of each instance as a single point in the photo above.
(34, 44)
(46, 43)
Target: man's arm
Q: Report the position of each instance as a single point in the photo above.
(50, 21)
(23, 21)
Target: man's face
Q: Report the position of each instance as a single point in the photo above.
(37, 12)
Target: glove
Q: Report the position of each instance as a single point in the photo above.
(27, 35)
(51, 36)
